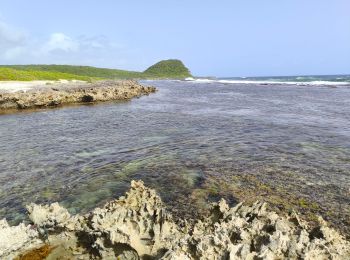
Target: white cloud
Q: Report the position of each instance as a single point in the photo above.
(12, 41)
(93, 42)
(18, 47)
(60, 42)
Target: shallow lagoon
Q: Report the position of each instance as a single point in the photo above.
(193, 142)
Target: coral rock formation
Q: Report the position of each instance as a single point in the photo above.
(138, 226)
(60, 94)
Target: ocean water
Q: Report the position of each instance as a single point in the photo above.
(324, 80)
(194, 141)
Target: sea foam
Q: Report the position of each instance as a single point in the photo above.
(271, 82)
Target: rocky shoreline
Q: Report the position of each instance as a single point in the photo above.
(137, 226)
(58, 94)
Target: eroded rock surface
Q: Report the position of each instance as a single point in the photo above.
(61, 94)
(17, 238)
(138, 226)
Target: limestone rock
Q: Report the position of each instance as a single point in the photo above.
(61, 94)
(137, 226)
(139, 220)
(16, 238)
(48, 216)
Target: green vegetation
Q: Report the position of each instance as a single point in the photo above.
(163, 69)
(85, 71)
(168, 69)
(21, 75)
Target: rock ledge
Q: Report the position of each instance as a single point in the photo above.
(61, 94)
(137, 226)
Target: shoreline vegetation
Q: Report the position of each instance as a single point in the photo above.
(44, 86)
(165, 69)
(138, 226)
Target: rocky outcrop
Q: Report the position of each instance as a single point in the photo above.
(16, 239)
(138, 226)
(61, 94)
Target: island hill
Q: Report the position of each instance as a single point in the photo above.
(166, 69)
(43, 86)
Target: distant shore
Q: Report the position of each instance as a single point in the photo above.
(19, 95)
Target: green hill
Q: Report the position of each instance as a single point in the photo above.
(162, 69)
(79, 70)
(9, 74)
(168, 69)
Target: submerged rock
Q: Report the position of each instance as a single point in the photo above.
(138, 226)
(61, 94)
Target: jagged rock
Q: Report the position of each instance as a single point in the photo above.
(138, 226)
(48, 216)
(138, 220)
(16, 239)
(100, 91)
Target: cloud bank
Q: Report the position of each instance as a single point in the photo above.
(20, 47)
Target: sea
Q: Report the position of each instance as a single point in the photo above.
(284, 140)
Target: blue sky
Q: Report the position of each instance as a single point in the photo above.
(221, 38)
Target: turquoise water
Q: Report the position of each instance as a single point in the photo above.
(193, 142)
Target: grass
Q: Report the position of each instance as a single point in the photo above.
(85, 71)
(162, 69)
(9, 74)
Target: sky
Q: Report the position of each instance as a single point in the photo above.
(213, 38)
